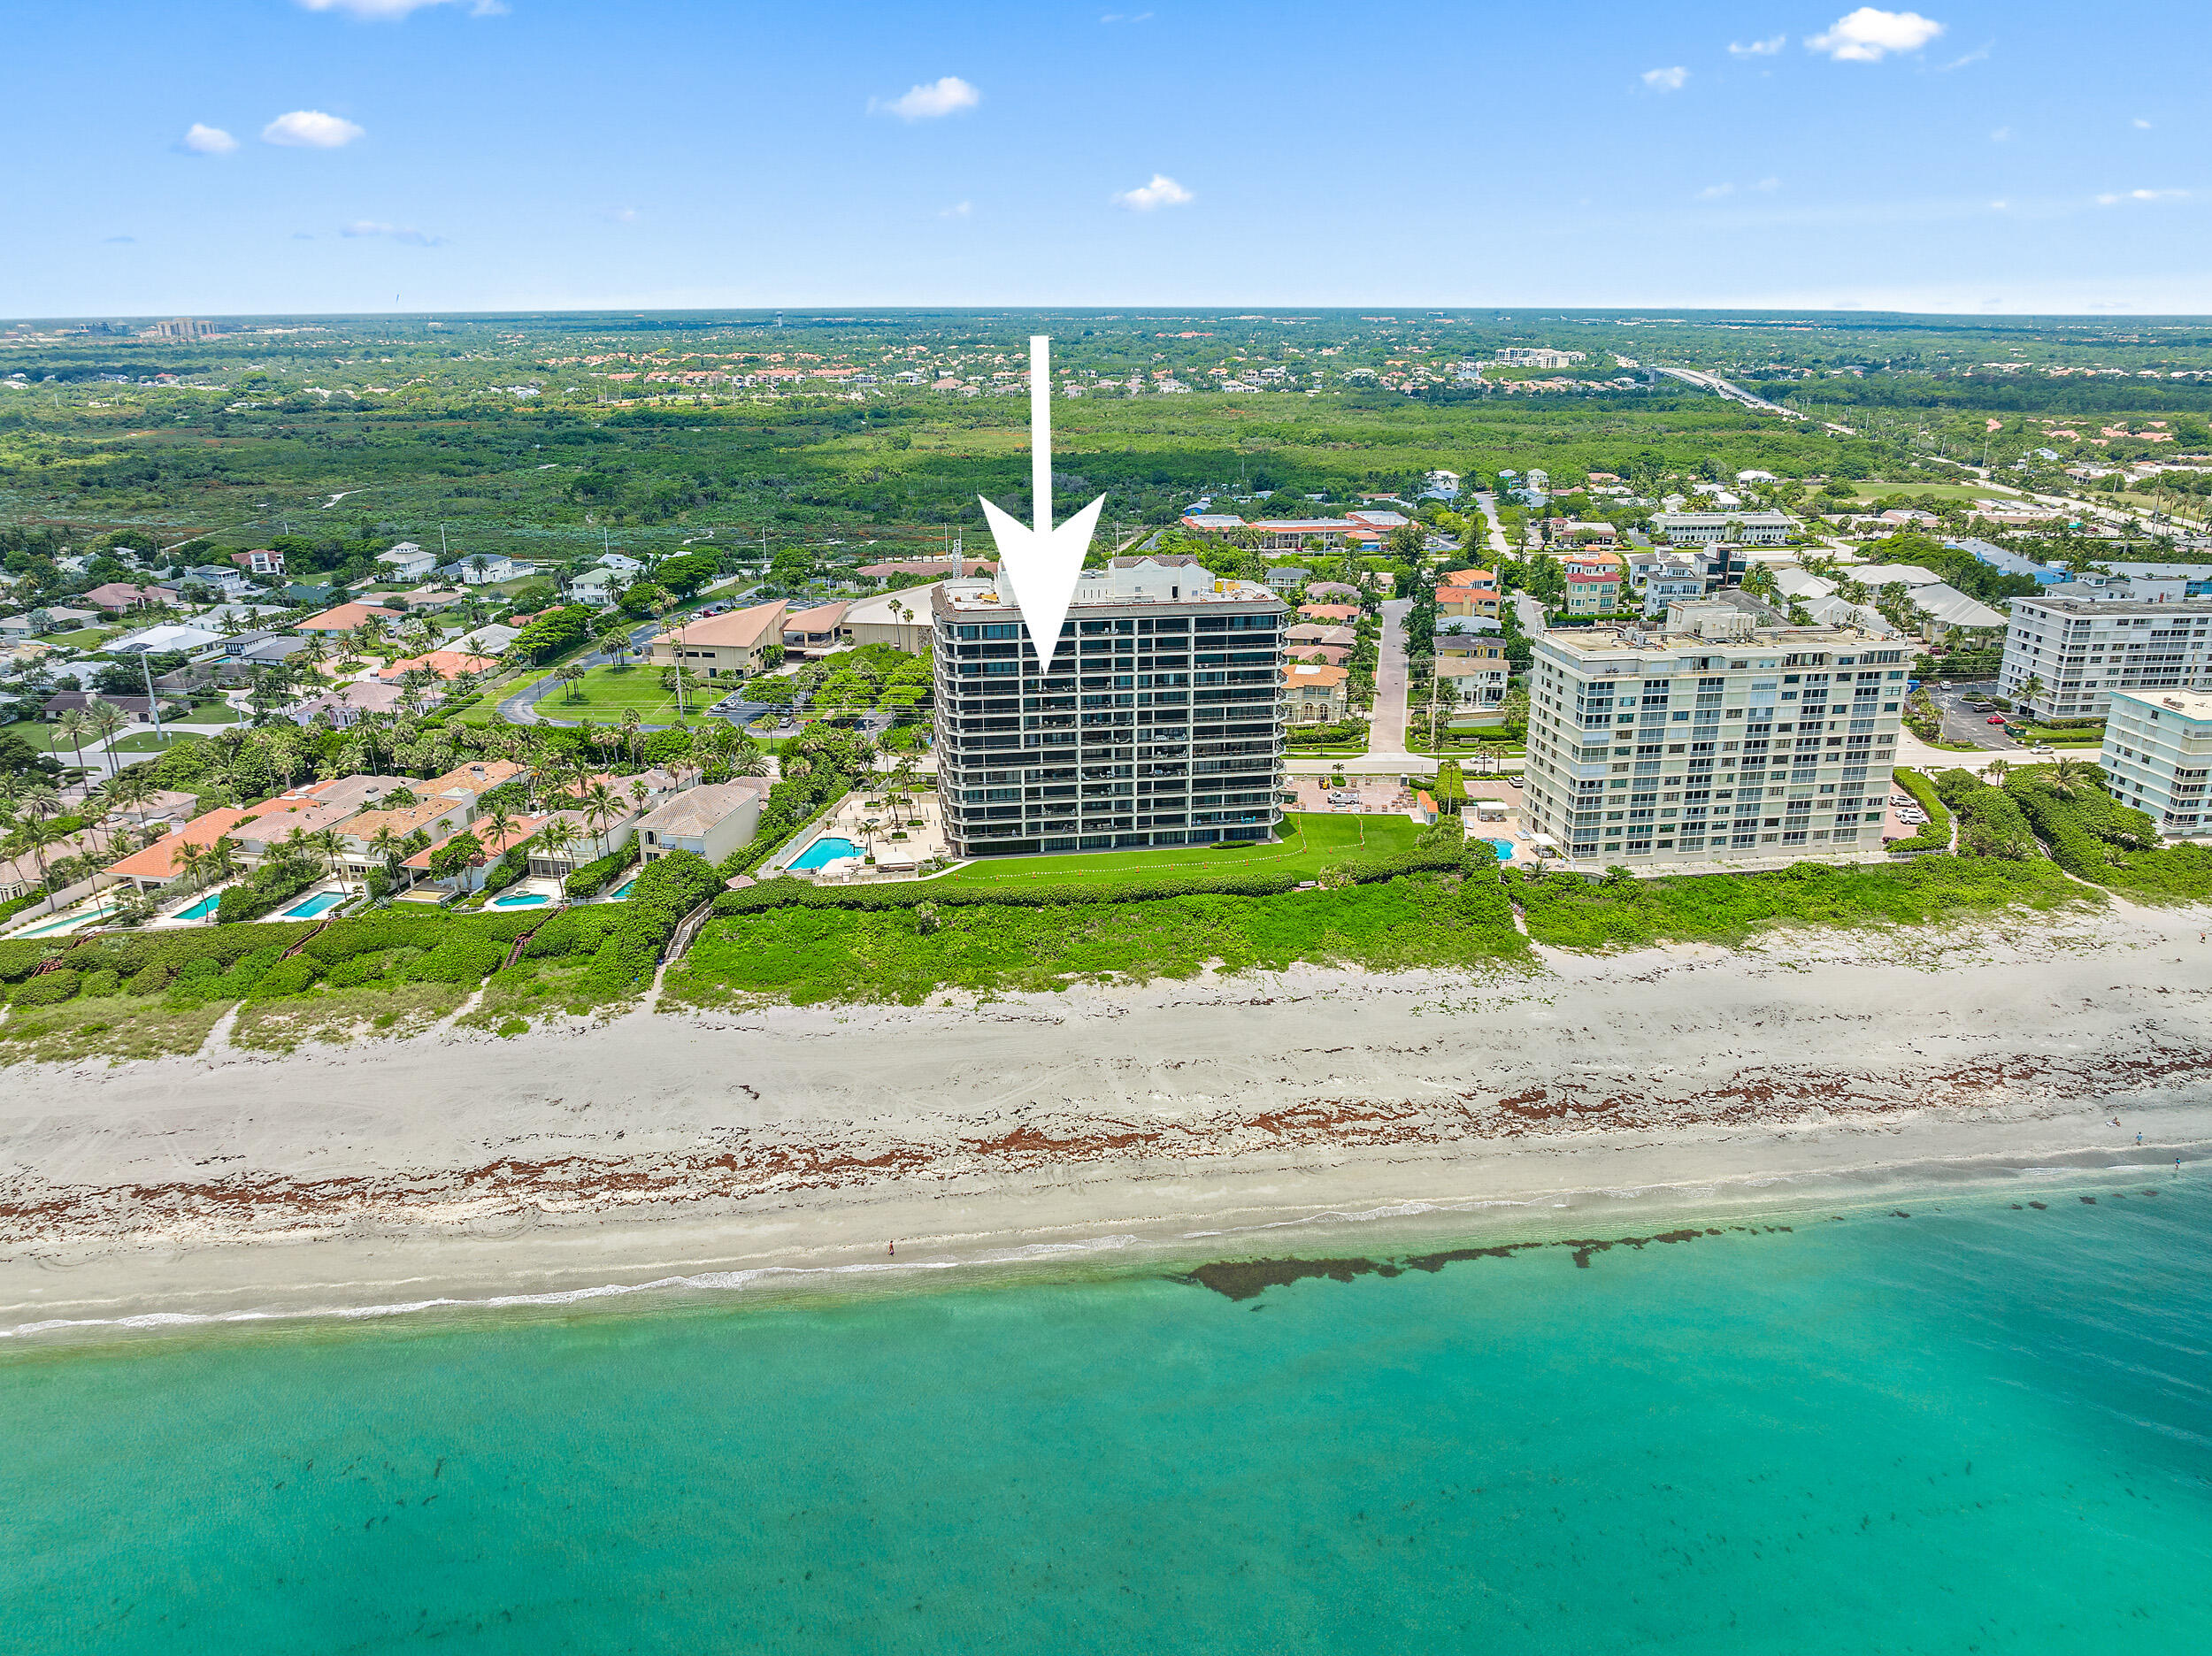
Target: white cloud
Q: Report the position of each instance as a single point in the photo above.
(622, 215)
(1162, 192)
(946, 97)
(1870, 34)
(2003, 135)
(406, 233)
(1714, 192)
(1758, 48)
(1997, 206)
(1981, 54)
(208, 140)
(393, 10)
(958, 210)
(2119, 196)
(2141, 125)
(311, 129)
(1666, 79)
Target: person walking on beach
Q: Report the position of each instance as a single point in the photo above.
(893, 1250)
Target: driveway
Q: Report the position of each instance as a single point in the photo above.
(1963, 724)
(1386, 734)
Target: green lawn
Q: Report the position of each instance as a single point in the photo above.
(83, 637)
(606, 694)
(1310, 840)
(1940, 491)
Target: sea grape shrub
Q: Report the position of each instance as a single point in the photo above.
(50, 989)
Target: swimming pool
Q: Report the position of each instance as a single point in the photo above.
(315, 905)
(521, 899)
(201, 909)
(622, 891)
(828, 848)
(1504, 848)
(70, 924)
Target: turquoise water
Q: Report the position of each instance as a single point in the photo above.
(623, 890)
(828, 848)
(521, 899)
(68, 924)
(201, 909)
(1504, 848)
(315, 905)
(1976, 1428)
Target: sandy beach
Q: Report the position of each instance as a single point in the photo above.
(1227, 1116)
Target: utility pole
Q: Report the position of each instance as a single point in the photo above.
(153, 708)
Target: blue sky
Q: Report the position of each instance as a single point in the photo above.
(373, 155)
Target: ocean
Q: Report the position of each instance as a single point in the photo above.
(1971, 1422)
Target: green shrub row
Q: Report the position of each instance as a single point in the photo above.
(271, 885)
(1447, 852)
(591, 877)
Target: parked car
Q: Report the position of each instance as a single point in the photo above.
(1996, 718)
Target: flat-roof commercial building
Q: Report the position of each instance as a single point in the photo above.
(727, 646)
(1160, 722)
(1715, 738)
(2075, 652)
(2157, 756)
(1693, 528)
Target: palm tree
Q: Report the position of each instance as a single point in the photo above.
(615, 641)
(570, 673)
(188, 857)
(332, 846)
(388, 843)
(633, 729)
(2068, 773)
(601, 807)
(501, 821)
(73, 727)
(556, 837)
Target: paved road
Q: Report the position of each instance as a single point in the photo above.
(521, 707)
(1386, 734)
(1488, 502)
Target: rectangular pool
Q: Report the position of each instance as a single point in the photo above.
(201, 909)
(623, 890)
(317, 904)
(828, 848)
(68, 924)
(521, 899)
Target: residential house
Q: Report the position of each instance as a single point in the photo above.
(344, 706)
(442, 805)
(407, 561)
(1287, 579)
(1328, 591)
(492, 638)
(345, 617)
(620, 562)
(1470, 680)
(596, 586)
(1344, 614)
(1315, 694)
(446, 664)
(726, 646)
(154, 641)
(118, 596)
(217, 578)
(136, 706)
(472, 875)
(154, 866)
(309, 809)
(712, 820)
(303, 593)
(1440, 485)
(483, 569)
(260, 562)
(1293, 534)
(1595, 591)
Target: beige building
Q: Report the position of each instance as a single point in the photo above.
(724, 646)
(1316, 695)
(712, 820)
(900, 620)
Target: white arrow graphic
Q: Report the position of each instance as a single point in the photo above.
(1042, 564)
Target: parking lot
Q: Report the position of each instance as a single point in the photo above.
(1963, 722)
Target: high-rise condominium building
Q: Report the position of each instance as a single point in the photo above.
(1714, 739)
(2157, 756)
(2065, 656)
(1159, 722)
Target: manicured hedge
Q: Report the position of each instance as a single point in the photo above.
(272, 884)
(591, 880)
(1445, 854)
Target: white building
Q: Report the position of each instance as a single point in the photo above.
(2157, 756)
(1537, 356)
(1717, 739)
(2077, 651)
(407, 561)
(1700, 528)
